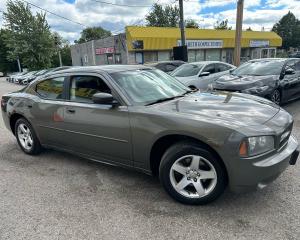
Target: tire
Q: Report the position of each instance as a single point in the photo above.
(198, 185)
(27, 138)
(275, 97)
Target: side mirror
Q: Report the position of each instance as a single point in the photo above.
(104, 98)
(204, 74)
(289, 71)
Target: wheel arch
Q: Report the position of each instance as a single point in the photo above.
(13, 119)
(160, 146)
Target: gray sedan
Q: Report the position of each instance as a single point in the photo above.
(141, 118)
(199, 75)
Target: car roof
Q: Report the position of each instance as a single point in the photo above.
(102, 68)
(167, 61)
(270, 59)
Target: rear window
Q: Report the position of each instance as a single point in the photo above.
(187, 70)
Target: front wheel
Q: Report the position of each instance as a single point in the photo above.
(191, 174)
(276, 97)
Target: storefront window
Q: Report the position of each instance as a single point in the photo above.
(191, 55)
(150, 57)
(163, 56)
(199, 55)
(213, 54)
(118, 59)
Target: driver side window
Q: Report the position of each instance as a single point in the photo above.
(210, 68)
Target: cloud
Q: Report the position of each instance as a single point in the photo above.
(257, 13)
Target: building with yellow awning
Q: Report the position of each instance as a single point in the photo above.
(148, 44)
(140, 45)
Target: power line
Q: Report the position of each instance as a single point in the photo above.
(54, 13)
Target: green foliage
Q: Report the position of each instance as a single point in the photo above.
(223, 25)
(28, 36)
(5, 65)
(288, 28)
(65, 50)
(249, 29)
(191, 23)
(160, 16)
(93, 33)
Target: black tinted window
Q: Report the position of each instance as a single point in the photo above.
(170, 67)
(84, 87)
(51, 88)
(222, 67)
(210, 68)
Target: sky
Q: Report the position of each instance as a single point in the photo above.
(258, 14)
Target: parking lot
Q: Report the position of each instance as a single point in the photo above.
(59, 196)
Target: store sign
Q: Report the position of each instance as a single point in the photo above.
(101, 51)
(259, 43)
(138, 44)
(198, 44)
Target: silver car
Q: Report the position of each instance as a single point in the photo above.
(201, 74)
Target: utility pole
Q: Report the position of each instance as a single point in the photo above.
(19, 64)
(238, 32)
(57, 43)
(181, 23)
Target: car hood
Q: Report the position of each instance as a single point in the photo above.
(232, 82)
(221, 107)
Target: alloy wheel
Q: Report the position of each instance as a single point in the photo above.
(276, 97)
(193, 176)
(25, 136)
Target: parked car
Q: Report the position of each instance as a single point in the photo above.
(40, 73)
(275, 79)
(21, 78)
(198, 75)
(166, 66)
(295, 55)
(11, 77)
(141, 118)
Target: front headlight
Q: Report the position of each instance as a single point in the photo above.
(255, 90)
(253, 146)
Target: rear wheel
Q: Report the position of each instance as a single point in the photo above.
(191, 174)
(26, 137)
(276, 97)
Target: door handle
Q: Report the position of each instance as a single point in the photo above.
(71, 111)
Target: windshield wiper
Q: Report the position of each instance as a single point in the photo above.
(164, 99)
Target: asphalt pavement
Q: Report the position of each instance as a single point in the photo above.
(60, 196)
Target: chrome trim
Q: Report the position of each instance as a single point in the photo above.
(85, 134)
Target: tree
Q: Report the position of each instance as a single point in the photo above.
(28, 36)
(249, 29)
(288, 28)
(93, 33)
(191, 23)
(160, 16)
(5, 64)
(64, 47)
(223, 25)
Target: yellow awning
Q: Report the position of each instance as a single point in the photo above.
(163, 38)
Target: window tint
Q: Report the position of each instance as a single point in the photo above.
(297, 65)
(84, 87)
(51, 88)
(187, 70)
(210, 68)
(222, 67)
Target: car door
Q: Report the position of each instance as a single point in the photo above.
(291, 82)
(101, 131)
(221, 69)
(204, 81)
(47, 111)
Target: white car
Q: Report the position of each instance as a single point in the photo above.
(199, 75)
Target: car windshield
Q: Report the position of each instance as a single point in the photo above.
(259, 68)
(145, 87)
(187, 70)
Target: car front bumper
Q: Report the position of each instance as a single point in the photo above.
(257, 174)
